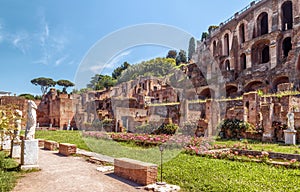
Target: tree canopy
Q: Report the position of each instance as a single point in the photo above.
(172, 54)
(118, 71)
(65, 84)
(158, 67)
(181, 57)
(100, 82)
(44, 82)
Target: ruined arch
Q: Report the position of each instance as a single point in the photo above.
(262, 24)
(279, 80)
(242, 33)
(260, 52)
(286, 46)
(253, 86)
(287, 15)
(227, 65)
(207, 93)
(243, 61)
(226, 44)
(231, 90)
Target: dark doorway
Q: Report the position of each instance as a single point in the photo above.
(226, 44)
(243, 61)
(263, 24)
(265, 55)
(287, 16)
(242, 33)
(227, 65)
(287, 46)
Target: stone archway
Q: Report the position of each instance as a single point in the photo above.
(231, 90)
(253, 86)
(279, 80)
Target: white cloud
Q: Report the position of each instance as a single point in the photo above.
(60, 60)
(21, 41)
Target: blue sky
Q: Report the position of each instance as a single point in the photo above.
(52, 38)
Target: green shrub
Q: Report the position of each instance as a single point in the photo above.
(145, 128)
(234, 128)
(168, 129)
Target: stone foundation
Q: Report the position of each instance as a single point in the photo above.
(137, 171)
(67, 149)
(50, 145)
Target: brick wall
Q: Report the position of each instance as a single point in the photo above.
(67, 149)
(137, 171)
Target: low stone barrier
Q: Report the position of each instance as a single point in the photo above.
(137, 171)
(50, 145)
(67, 149)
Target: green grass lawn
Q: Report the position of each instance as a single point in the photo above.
(72, 137)
(8, 172)
(194, 173)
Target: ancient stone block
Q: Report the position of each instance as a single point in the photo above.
(137, 171)
(67, 149)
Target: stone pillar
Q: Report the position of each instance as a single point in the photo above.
(267, 122)
(290, 137)
(273, 54)
(29, 155)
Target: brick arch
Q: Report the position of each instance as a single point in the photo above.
(258, 14)
(283, 17)
(259, 52)
(279, 80)
(246, 33)
(254, 85)
(207, 93)
(226, 45)
(231, 90)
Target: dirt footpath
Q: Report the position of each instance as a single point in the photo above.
(70, 174)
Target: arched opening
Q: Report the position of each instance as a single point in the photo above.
(227, 65)
(286, 46)
(214, 48)
(219, 48)
(226, 44)
(265, 55)
(287, 15)
(206, 93)
(242, 33)
(253, 86)
(260, 52)
(231, 90)
(262, 24)
(243, 61)
(278, 81)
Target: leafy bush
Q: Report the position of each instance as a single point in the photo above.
(234, 128)
(168, 129)
(145, 128)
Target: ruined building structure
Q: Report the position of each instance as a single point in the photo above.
(241, 70)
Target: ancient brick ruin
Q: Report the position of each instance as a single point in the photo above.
(255, 50)
(242, 70)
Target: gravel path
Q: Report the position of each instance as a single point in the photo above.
(70, 174)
